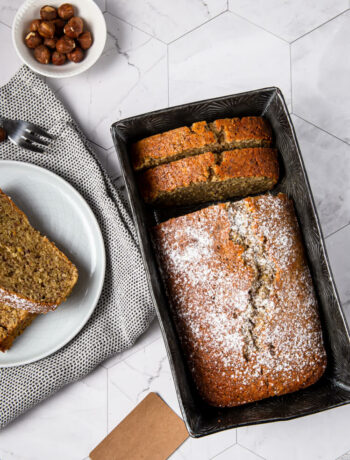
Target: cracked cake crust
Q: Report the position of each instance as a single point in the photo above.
(243, 300)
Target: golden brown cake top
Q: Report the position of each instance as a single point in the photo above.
(243, 299)
(239, 129)
(209, 167)
(146, 152)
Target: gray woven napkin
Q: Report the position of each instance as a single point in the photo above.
(124, 310)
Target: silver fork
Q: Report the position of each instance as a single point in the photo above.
(26, 135)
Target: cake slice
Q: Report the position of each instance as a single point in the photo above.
(210, 176)
(12, 323)
(34, 274)
(172, 145)
(227, 133)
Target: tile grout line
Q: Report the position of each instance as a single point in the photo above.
(321, 25)
(222, 451)
(6, 25)
(197, 27)
(136, 27)
(336, 231)
(258, 26)
(249, 450)
(318, 127)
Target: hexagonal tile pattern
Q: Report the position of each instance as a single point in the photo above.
(237, 452)
(327, 161)
(166, 20)
(320, 77)
(322, 436)
(286, 19)
(242, 57)
(338, 248)
(148, 370)
(67, 426)
(8, 55)
(129, 78)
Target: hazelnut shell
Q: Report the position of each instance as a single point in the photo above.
(66, 11)
(74, 27)
(34, 25)
(85, 40)
(58, 58)
(47, 13)
(46, 29)
(76, 56)
(33, 40)
(65, 45)
(42, 54)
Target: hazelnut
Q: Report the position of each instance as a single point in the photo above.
(85, 40)
(34, 25)
(66, 11)
(58, 58)
(33, 40)
(74, 27)
(59, 25)
(3, 135)
(65, 45)
(76, 56)
(47, 13)
(42, 54)
(46, 29)
(51, 42)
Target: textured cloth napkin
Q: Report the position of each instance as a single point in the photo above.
(124, 310)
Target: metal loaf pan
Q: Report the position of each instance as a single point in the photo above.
(333, 389)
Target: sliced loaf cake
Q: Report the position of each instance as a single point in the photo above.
(34, 274)
(210, 176)
(228, 133)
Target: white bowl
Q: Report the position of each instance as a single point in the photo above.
(93, 20)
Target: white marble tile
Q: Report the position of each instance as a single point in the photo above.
(238, 452)
(134, 377)
(166, 20)
(338, 248)
(8, 9)
(205, 448)
(66, 426)
(129, 78)
(327, 161)
(8, 55)
(322, 436)
(320, 77)
(288, 20)
(226, 56)
(148, 370)
(151, 335)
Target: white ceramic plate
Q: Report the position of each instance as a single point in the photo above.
(58, 211)
(93, 19)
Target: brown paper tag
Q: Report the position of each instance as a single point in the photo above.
(152, 431)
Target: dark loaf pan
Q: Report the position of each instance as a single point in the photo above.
(333, 389)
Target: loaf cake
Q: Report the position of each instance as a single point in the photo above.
(34, 274)
(243, 300)
(228, 133)
(12, 323)
(210, 176)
